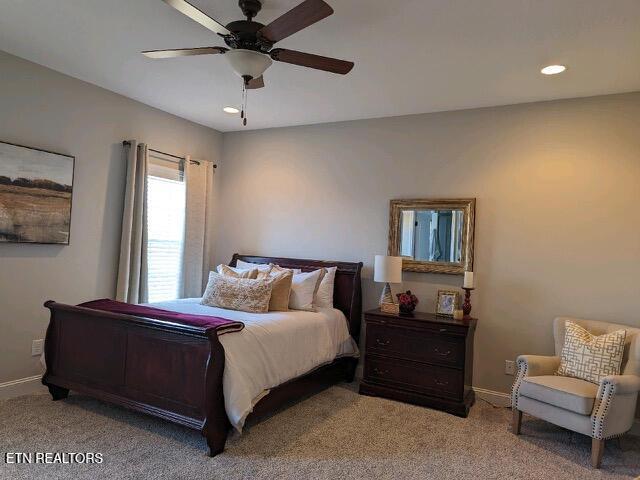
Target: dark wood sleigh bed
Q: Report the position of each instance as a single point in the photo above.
(174, 371)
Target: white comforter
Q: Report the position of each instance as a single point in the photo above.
(272, 348)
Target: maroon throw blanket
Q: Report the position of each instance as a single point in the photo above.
(221, 325)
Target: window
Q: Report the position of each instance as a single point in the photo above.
(166, 196)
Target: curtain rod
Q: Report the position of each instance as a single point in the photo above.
(126, 142)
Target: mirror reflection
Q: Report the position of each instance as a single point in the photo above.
(431, 235)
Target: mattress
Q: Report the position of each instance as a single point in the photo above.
(272, 349)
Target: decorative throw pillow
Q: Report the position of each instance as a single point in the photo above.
(303, 290)
(324, 297)
(237, 272)
(281, 291)
(245, 294)
(588, 356)
(266, 270)
(262, 274)
(278, 268)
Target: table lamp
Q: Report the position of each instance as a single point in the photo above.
(387, 269)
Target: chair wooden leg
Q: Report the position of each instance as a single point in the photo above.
(597, 449)
(516, 421)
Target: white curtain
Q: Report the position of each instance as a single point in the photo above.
(132, 269)
(198, 225)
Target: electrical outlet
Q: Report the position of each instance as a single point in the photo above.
(36, 347)
(509, 367)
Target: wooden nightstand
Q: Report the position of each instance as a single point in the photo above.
(425, 359)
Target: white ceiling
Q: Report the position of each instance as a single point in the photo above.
(412, 56)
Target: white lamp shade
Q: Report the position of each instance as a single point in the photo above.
(387, 269)
(247, 63)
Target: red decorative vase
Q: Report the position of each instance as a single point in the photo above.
(407, 309)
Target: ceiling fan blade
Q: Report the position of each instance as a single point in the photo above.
(305, 14)
(256, 83)
(318, 62)
(198, 15)
(183, 52)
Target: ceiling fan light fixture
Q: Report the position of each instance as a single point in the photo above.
(247, 63)
(231, 110)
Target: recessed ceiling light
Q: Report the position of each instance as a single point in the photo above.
(232, 110)
(553, 69)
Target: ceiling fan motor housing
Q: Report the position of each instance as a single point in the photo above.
(245, 36)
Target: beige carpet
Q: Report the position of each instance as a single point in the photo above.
(337, 434)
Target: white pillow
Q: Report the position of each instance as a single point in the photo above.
(262, 267)
(324, 296)
(303, 290)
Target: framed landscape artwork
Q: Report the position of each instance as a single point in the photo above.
(35, 195)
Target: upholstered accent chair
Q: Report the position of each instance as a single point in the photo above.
(600, 411)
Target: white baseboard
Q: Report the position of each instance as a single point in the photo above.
(499, 399)
(31, 385)
(21, 386)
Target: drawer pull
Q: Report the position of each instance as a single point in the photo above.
(442, 384)
(443, 329)
(382, 343)
(379, 372)
(442, 354)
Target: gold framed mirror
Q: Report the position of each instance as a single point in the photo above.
(433, 235)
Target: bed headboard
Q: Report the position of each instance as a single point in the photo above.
(347, 292)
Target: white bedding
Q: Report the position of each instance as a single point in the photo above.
(272, 348)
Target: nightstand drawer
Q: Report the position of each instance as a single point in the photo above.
(419, 345)
(428, 379)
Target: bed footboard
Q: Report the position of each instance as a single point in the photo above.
(160, 368)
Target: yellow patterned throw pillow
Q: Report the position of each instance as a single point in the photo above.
(236, 272)
(244, 294)
(591, 357)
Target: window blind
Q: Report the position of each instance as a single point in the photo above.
(166, 196)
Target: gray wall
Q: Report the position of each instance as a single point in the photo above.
(48, 110)
(557, 187)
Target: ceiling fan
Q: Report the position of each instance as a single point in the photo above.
(250, 43)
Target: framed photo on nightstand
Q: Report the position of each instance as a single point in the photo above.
(447, 302)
